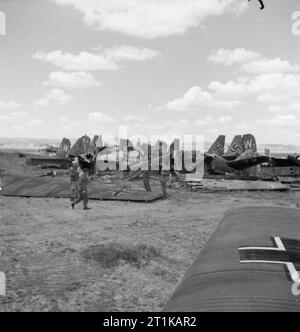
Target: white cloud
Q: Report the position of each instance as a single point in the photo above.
(225, 119)
(54, 96)
(83, 61)
(270, 82)
(280, 120)
(231, 57)
(130, 53)
(275, 87)
(252, 62)
(269, 88)
(196, 98)
(151, 18)
(100, 117)
(108, 59)
(11, 105)
(72, 80)
(69, 124)
(134, 118)
(208, 120)
(230, 89)
(211, 120)
(35, 122)
(13, 117)
(18, 122)
(269, 66)
(278, 109)
(295, 105)
(282, 109)
(130, 117)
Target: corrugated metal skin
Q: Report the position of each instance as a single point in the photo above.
(20, 186)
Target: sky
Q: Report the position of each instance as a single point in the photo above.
(157, 67)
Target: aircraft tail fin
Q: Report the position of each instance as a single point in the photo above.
(93, 146)
(249, 143)
(218, 146)
(236, 148)
(81, 146)
(100, 142)
(64, 148)
(250, 146)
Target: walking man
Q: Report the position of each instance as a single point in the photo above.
(74, 178)
(83, 190)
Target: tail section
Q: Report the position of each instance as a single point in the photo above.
(81, 146)
(64, 148)
(250, 147)
(236, 148)
(218, 147)
(249, 143)
(93, 146)
(100, 142)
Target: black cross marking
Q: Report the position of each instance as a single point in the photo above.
(285, 252)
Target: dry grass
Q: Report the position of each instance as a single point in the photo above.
(111, 255)
(117, 257)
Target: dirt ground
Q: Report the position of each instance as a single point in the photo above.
(116, 257)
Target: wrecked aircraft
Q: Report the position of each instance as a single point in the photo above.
(241, 156)
(60, 160)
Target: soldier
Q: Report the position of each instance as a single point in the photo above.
(74, 178)
(163, 174)
(146, 180)
(163, 178)
(83, 192)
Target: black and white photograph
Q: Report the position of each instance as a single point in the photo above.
(149, 159)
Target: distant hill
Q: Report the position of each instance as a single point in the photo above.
(28, 141)
(280, 148)
(35, 143)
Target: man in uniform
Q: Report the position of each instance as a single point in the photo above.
(163, 179)
(83, 192)
(164, 175)
(74, 178)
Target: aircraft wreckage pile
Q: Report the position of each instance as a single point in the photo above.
(240, 168)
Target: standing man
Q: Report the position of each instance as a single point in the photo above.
(163, 179)
(163, 159)
(146, 180)
(74, 178)
(83, 192)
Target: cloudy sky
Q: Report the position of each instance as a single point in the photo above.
(206, 67)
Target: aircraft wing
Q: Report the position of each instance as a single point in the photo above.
(295, 160)
(248, 163)
(101, 149)
(251, 263)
